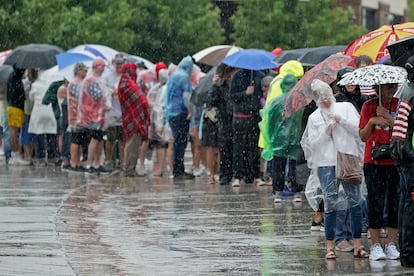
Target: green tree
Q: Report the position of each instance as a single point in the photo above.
(167, 30)
(292, 24)
(410, 4)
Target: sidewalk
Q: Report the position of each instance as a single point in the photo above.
(55, 223)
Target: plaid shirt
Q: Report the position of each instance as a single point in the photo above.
(135, 109)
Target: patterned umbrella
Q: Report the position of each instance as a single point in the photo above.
(301, 94)
(374, 75)
(374, 43)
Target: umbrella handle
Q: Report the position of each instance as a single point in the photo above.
(379, 95)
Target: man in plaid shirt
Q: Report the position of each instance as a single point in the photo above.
(135, 116)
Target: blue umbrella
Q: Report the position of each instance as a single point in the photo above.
(69, 58)
(251, 59)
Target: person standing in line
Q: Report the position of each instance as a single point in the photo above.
(159, 129)
(221, 99)
(353, 95)
(381, 175)
(113, 117)
(402, 146)
(333, 128)
(15, 114)
(282, 139)
(78, 134)
(246, 92)
(93, 105)
(26, 139)
(179, 113)
(135, 117)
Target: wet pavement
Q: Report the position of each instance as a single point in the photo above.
(59, 223)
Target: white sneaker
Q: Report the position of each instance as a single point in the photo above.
(142, 171)
(377, 253)
(198, 172)
(235, 183)
(391, 251)
(18, 162)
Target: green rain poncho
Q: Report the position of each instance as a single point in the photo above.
(281, 135)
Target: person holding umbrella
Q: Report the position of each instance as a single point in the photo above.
(246, 92)
(381, 175)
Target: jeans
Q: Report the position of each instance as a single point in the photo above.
(6, 131)
(406, 217)
(330, 187)
(65, 150)
(46, 145)
(179, 127)
(343, 229)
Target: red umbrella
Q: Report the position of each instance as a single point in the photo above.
(301, 94)
(374, 43)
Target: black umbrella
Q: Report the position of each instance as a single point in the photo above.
(41, 56)
(200, 95)
(287, 55)
(401, 50)
(316, 55)
(5, 71)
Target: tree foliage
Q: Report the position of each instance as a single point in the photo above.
(169, 29)
(291, 24)
(156, 30)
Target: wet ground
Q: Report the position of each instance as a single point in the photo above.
(58, 223)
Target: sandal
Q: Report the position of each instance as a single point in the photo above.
(361, 253)
(211, 180)
(330, 254)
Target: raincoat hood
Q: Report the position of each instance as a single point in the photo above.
(321, 91)
(288, 82)
(292, 66)
(186, 64)
(163, 76)
(130, 69)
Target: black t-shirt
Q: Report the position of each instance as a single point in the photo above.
(15, 90)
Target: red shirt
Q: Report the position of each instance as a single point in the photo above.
(379, 136)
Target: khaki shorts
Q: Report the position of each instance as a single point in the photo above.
(15, 116)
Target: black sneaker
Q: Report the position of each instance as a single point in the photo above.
(75, 169)
(91, 171)
(316, 226)
(184, 176)
(103, 170)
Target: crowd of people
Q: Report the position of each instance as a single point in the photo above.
(109, 119)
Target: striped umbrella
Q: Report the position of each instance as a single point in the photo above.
(374, 43)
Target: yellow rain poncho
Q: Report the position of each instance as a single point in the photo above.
(293, 67)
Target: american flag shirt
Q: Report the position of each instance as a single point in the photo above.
(72, 94)
(93, 103)
(402, 133)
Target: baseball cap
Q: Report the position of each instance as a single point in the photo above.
(118, 58)
(79, 67)
(98, 62)
(142, 65)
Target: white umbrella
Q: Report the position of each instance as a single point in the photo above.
(374, 75)
(215, 54)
